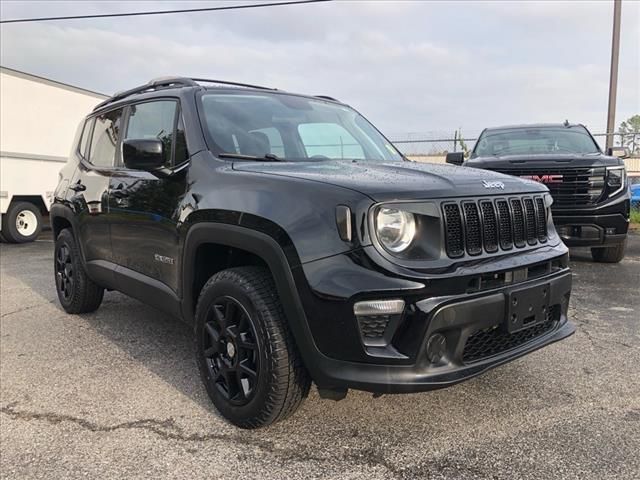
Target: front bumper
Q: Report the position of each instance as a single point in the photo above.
(599, 225)
(591, 230)
(475, 341)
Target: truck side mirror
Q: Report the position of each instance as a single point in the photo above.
(620, 152)
(143, 154)
(456, 158)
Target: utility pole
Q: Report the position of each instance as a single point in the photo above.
(613, 78)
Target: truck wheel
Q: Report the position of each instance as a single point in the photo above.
(76, 291)
(612, 254)
(22, 223)
(246, 354)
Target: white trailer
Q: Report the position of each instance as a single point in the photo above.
(38, 120)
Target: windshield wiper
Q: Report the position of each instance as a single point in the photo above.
(269, 157)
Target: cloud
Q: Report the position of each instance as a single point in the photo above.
(409, 66)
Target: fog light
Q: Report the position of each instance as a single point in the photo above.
(376, 319)
(610, 230)
(436, 347)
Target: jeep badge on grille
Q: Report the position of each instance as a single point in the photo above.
(493, 184)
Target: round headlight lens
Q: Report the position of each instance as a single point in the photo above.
(395, 229)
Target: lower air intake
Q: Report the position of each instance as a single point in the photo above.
(493, 341)
(374, 326)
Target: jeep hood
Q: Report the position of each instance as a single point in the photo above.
(398, 180)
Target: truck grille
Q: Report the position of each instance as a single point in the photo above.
(569, 187)
(494, 340)
(474, 227)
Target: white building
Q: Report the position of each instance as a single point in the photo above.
(38, 120)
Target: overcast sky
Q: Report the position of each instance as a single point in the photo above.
(407, 66)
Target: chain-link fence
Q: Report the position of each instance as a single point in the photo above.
(439, 143)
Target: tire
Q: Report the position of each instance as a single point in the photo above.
(22, 223)
(612, 254)
(76, 291)
(246, 354)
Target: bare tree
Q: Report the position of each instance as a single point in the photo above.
(630, 134)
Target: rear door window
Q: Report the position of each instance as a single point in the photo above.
(106, 135)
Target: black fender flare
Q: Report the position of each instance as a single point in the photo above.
(60, 210)
(271, 252)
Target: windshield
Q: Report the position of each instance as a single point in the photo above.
(541, 140)
(290, 127)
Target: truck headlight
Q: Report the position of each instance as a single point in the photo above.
(395, 229)
(616, 178)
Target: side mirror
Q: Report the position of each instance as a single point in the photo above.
(456, 158)
(620, 152)
(143, 154)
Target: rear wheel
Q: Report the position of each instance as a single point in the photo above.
(76, 291)
(612, 254)
(246, 354)
(22, 223)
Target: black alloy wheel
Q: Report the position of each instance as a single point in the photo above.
(231, 350)
(64, 272)
(76, 291)
(247, 357)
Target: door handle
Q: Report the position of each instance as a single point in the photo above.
(78, 187)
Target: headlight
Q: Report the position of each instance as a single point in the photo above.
(395, 229)
(615, 179)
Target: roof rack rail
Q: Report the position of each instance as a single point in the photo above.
(167, 82)
(327, 97)
(154, 84)
(236, 84)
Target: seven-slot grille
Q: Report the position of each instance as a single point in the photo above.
(568, 186)
(474, 227)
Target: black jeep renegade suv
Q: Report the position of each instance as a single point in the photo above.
(300, 245)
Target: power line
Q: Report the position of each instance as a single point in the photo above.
(164, 12)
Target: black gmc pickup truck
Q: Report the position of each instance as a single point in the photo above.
(300, 245)
(591, 197)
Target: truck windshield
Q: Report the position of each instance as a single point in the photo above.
(289, 127)
(531, 141)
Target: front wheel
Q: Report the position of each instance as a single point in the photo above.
(246, 354)
(22, 223)
(612, 254)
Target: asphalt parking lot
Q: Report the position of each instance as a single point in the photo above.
(116, 394)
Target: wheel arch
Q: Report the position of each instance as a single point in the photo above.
(264, 247)
(36, 200)
(61, 217)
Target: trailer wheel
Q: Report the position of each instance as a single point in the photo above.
(22, 223)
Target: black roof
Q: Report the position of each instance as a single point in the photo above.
(535, 125)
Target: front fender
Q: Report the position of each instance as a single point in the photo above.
(272, 204)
